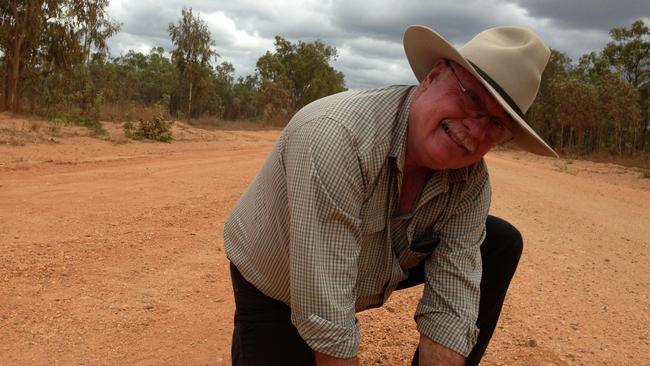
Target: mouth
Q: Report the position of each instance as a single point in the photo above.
(458, 134)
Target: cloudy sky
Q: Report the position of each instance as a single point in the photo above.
(368, 34)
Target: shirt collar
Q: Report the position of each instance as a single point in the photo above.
(398, 144)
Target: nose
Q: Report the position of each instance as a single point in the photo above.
(478, 127)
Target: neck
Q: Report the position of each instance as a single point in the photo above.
(413, 182)
(411, 165)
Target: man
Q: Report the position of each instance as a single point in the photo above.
(372, 191)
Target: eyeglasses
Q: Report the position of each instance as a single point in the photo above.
(473, 105)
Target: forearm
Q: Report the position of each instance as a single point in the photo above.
(435, 354)
(326, 360)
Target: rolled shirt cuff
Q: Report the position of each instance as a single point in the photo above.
(330, 338)
(447, 329)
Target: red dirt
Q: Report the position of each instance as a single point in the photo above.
(112, 253)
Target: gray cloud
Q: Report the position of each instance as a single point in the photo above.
(587, 14)
(368, 35)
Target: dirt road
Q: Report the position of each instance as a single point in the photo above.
(112, 254)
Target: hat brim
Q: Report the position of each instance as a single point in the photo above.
(424, 48)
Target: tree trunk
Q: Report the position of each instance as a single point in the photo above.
(644, 128)
(13, 100)
(189, 102)
(5, 84)
(15, 75)
(619, 139)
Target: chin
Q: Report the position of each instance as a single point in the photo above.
(444, 160)
(443, 155)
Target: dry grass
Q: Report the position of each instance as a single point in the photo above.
(645, 174)
(638, 160)
(132, 112)
(128, 112)
(213, 123)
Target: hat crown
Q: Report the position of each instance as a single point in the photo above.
(513, 57)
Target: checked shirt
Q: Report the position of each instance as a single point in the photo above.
(319, 229)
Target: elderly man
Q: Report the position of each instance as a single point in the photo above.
(369, 192)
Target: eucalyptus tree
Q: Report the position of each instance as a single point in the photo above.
(42, 37)
(301, 70)
(629, 54)
(192, 53)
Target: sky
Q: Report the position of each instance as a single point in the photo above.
(368, 34)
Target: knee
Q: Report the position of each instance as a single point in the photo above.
(503, 239)
(514, 241)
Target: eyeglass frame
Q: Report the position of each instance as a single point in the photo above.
(477, 102)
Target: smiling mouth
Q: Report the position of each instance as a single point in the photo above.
(458, 134)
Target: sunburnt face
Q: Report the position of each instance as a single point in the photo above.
(453, 120)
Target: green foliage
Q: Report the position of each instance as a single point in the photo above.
(592, 66)
(135, 77)
(49, 40)
(598, 104)
(158, 128)
(193, 50)
(629, 54)
(275, 100)
(245, 94)
(302, 71)
(595, 105)
(65, 72)
(129, 128)
(76, 119)
(645, 174)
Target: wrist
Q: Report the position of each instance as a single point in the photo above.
(435, 354)
(327, 360)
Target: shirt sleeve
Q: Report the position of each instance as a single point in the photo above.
(448, 309)
(325, 190)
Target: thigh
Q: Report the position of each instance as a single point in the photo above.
(501, 248)
(263, 332)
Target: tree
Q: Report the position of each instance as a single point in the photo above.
(629, 54)
(592, 67)
(620, 112)
(245, 95)
(52, 35)
(193, 50)
(301, 70)
(157, 76)
(543, 115)
(223, 87)
(146, 79)
(576, 109)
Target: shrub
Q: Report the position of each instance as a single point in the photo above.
(77, 119)
(157, 128)
(645, 174)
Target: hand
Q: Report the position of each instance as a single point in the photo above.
(326, 360)
(435, 354)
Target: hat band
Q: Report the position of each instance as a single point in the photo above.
(499, 90)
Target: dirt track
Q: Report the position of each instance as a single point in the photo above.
(113, 254)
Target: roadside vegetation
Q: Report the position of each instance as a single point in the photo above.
(598, 107)
(54, 63)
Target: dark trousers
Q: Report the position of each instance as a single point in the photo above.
(264, 335)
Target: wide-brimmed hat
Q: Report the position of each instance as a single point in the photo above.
(509, 61)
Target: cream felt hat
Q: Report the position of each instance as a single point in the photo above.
(509, 61)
